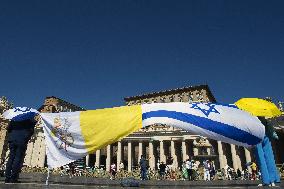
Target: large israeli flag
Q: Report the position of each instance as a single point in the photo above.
(221, 122)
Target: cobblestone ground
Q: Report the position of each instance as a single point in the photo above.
(37, 180)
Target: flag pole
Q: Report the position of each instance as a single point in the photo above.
(47, 178)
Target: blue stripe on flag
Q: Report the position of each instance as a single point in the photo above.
(25, 116)
(208, 124)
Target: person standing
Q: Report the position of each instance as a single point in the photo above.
(253, 170)
(143, 167)
(162, 170)
(112, 171)
(265, 157)
(229, 171)
(239, 174)
(194, 169)
(184, 171)
(188, 168)
(212, 170)
(206, 170)
(121, 167)
(19, 134)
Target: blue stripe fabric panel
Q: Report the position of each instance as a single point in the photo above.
(20, 114)
(25, 116)
(224, 122)
(208, 124)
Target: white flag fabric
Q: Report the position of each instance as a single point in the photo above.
(224, 122)
(72, 135)
(64, 139)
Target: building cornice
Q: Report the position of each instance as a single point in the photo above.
(61, 101)
(172, 91)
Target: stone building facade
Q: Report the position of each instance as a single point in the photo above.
(4, 105)
(162, 143)
(3, 143)
(35, 154)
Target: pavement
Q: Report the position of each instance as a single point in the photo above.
(37, 180)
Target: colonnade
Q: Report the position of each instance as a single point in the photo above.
(130, 151)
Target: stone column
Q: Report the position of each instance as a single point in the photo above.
(129, 149)
(183, 148)
(225, 158)
(234, 156)
(87, 160)
(29, 154)
(173, 154)
(162, 152)
(221, 154)
(195, 149)
(151, 155)
(239, 160)
(98, 155)
(118, 156)
(248, 158)
(41, 149)
(35, 152)
(140, 149)
(108, 158)
(208, 151)
(3, 141)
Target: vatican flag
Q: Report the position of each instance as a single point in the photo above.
(72, 135)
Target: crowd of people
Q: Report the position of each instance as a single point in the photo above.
(195, 170)
(190, 170)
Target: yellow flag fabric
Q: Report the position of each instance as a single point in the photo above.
(72, 135)
(258, 107)
(106, 126)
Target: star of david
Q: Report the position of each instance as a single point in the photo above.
(24, 109)
(205, 111)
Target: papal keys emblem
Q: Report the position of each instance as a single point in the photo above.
(61, 132)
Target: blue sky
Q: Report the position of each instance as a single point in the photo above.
(93, 53)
